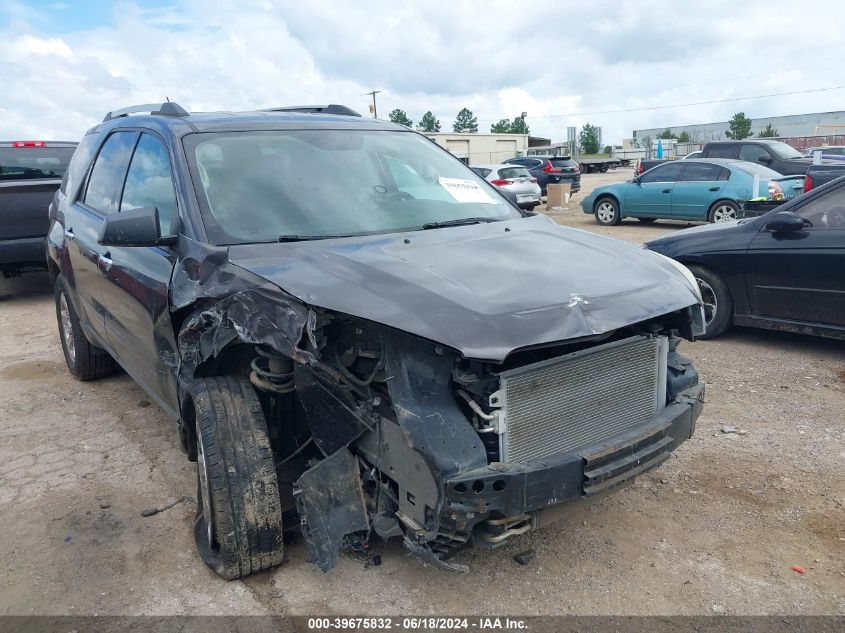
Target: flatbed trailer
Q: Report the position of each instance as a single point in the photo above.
(596, 165)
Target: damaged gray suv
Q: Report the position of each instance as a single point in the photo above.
(359, 336)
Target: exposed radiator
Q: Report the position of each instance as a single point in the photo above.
(565, 403)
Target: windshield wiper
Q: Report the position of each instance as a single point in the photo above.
(306, 238)
(458, 222)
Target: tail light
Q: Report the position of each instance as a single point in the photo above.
(775, 191)
(533, 180)
(576, 170)
(808, 183)
(550, 169)
(19, 144)
(640, 168)
(501, 182)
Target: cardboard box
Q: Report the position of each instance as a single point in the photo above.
(557, 195)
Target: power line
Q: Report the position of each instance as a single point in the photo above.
(680, 105)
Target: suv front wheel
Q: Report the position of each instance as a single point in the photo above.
(238, 528)
(85, 361)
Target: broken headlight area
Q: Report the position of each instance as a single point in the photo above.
(387, 434)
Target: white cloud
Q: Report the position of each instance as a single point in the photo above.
(497, 58)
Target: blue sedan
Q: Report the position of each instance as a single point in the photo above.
(707, 190)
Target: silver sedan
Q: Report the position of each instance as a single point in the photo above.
(514, 179)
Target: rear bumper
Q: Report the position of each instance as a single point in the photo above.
(524, 490)
(31, 251)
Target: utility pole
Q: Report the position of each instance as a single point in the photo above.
(373, 107)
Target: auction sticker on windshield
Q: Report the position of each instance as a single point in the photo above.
(465, 190)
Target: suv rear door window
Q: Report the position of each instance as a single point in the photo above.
(663, 173)
(106, 180)
(728, 150)
(149, 182)
(34, 163)
(698, 172)
(753, 153)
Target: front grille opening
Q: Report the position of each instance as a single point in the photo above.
(562, 404)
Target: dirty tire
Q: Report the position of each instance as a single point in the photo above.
(646, 220)
(723, 211)
(606, 211)
(241, 532)
(718, 304)
(85, 361)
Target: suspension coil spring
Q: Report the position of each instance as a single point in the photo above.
(272, 371)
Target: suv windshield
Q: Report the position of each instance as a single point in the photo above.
(782, 150)
(264, 186)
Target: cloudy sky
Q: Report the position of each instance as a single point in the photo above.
(622, 66)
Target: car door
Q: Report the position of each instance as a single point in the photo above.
(98, 198)
(136, 278)
(699, 186)
(650, 195)
(798, 276)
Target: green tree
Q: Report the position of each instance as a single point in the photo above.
(768, 132)
(667, 133)
(588, 139)
(608, 150)
(465, 121)
(739, 127)
(502, 127)
(683, 137)
(429, 122)
(399, 116)
(519, 126)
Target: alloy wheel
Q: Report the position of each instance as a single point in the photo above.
(724, 213)
(606, 212)
(711, 304)
(67, 328)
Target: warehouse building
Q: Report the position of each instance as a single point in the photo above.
(482, 149)
(796, 125)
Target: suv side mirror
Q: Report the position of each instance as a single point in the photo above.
(135, 227)
(785, 222)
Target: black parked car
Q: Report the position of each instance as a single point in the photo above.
(30, 173)
(781, 271)
(388, 348)
(551, 170)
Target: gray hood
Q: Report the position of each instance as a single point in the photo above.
(484, 290)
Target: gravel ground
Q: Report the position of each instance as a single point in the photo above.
(715, 530)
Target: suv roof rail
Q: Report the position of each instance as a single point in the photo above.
(331, 108)
(168, 108)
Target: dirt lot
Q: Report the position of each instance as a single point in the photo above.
(715, 530)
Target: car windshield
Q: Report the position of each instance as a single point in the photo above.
(264, 186)
(782, 150)
(754, 169)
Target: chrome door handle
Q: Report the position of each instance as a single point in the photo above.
(69, 234)
(105, 261)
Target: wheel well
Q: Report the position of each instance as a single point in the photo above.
(719, 201)
(53, 269)
(607, 196)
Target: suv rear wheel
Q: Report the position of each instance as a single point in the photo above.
(85, 361)
(238, 528)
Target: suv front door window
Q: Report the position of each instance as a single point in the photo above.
(755, 154)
